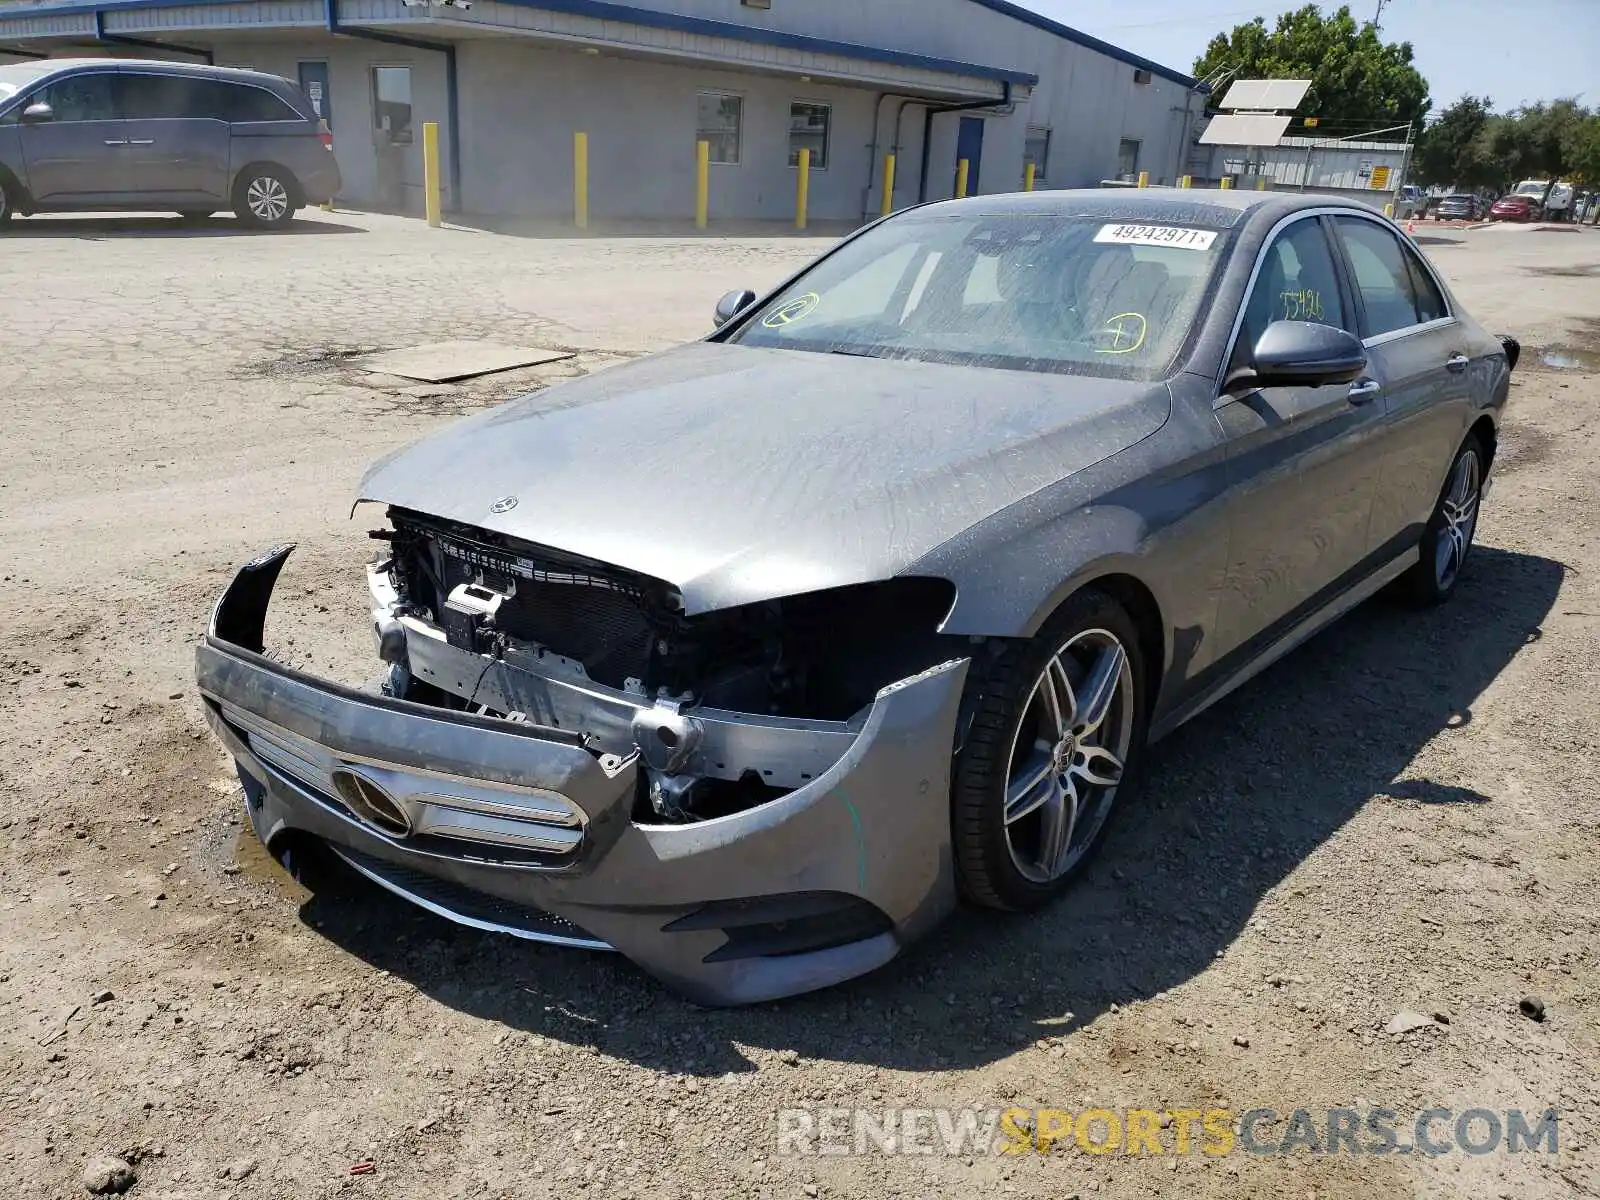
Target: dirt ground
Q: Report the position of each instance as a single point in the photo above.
(1400, 816)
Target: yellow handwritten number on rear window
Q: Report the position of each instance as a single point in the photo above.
(1126, 333)
(791, 311)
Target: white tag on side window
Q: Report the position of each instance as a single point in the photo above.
(1156, 235)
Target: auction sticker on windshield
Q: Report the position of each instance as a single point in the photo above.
(1156, 235)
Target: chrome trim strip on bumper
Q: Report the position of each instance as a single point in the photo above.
(459, 918)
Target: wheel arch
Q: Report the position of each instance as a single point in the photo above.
(16, 191)
(1488, 433)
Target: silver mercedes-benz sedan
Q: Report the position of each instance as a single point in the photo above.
(750, 659)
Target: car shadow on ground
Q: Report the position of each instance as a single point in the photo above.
(100, 228)
(1233, 802)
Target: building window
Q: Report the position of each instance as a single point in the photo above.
(720, 122)
(1127, 159)
(808, 130)
(391, 104)
(1036, 150)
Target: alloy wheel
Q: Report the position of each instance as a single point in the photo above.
(1069, 754)
(267, 198)
(1459, 511)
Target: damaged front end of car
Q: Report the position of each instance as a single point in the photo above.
(748, 802)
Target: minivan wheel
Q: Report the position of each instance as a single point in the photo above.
(265, 198)
(1054, 742)
(5, 204)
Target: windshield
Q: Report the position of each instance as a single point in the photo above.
(1024, 291)
(16, 76)
(1532, 187)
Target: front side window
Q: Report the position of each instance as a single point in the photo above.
(79, 98)
(1378, 267)
(720, 122)
(1070, 294)
(1297, 282)
(1036, 150)
(391, 104)
(808, 130)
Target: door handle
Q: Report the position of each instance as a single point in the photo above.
(1366, 390)
(116, 141)
(1457, 362)
(141, 141)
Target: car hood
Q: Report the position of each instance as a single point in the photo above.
(740, 474)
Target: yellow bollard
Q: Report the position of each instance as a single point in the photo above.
(962, 168)
(802, 198)
(1388, 210)
(1029, 174)
(1144, 179)
(702, 184)
(1261, 184)
(888, 185)
(430, 174)
(1227, 182)
(580, 180)
(1185, 181)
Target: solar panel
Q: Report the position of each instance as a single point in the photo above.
(1234, 129)
(1266, 95)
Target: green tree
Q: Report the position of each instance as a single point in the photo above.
(1356, 77)
(1582, 149)
(1450, 150)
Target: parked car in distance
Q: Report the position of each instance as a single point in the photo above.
(941, 534)
(129, 135)
(1411, 202)
(1513, 208)
(1458, 206)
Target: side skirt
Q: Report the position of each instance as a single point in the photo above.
(1297, 633)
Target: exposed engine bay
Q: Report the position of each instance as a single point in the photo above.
(727, 709)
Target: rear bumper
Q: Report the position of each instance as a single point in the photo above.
(529, 831)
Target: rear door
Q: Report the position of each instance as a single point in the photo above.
(1303, 461)
(177, 135)
(1419, 356)
(78, 158)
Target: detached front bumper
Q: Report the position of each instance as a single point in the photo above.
(529, 830)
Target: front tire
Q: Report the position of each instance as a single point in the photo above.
(265, 197)
(1447, 541)
(1056, 738)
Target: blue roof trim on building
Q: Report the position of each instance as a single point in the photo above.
(606, 10)
(1039, 21)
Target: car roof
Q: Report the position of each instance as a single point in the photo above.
(1195, 205)
(56, 65)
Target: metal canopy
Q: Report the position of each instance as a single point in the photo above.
(1265, 95)
(1244, 129)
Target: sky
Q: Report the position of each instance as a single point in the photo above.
(1514, 51)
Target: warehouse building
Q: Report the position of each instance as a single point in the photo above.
(509, 83)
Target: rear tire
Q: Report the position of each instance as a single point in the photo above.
(1447, 542)
(8, 201)
(265, 197)
(1056, 741)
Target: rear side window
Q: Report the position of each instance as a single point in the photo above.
(1430, 301)
(1381, 276)
(246, 103)
(166, 97)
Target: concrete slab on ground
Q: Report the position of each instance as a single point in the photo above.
(445, 362)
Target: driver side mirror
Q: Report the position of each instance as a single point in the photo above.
(38, 113)
(1300, 354)
(732, 305)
